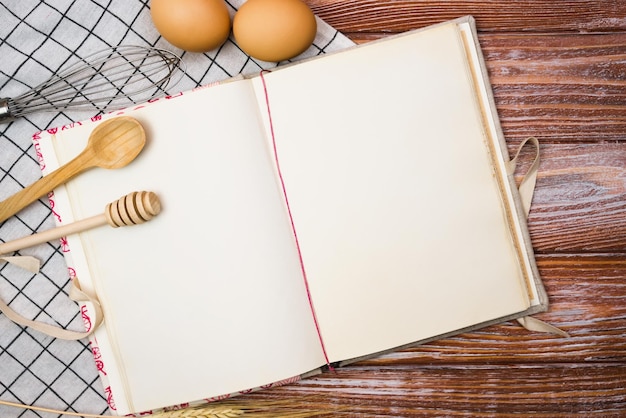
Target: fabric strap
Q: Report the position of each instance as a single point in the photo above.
(24, 261)
(91, 322)
(527, 185)
(526, 191)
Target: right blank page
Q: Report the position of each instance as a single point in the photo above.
(395, 202)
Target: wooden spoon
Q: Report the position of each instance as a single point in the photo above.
(112, 144)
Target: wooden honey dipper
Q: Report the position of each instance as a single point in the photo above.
(132, 209)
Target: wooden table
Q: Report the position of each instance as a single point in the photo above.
(558, 69)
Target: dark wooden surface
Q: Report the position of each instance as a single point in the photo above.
(558, 70)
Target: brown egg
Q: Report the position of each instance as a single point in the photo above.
(274, 30)
(192, 25)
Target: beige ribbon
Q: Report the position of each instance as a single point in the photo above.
(527, 185)
(526, 191)
(75, 294)
(24, 261)
(534, 324)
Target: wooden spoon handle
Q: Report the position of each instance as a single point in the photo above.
(41, 187)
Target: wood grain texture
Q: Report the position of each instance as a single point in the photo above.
(547, 390)
(579, 204)
(376, 16)
(444, 391)
(561, 87)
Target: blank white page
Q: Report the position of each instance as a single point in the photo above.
(207, 298)
(396, 205)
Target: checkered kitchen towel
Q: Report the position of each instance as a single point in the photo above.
(37, 38)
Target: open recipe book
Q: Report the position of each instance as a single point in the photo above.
(407, 226)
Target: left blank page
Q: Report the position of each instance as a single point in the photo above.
(207, 298)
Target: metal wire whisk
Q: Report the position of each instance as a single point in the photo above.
(111, 78)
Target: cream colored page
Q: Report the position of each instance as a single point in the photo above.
(502, 159)
(395, 204)
(205, 299)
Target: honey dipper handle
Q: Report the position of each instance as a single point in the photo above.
(132, 209)
(52, 234)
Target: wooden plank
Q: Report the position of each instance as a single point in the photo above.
(371, 16)
(580, 199)
(481, 389)
(565, 88)
(548, 390)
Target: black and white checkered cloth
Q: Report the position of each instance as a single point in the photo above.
(37, 39)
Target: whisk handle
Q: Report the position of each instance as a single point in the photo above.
(43, 186)
(5, 112)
